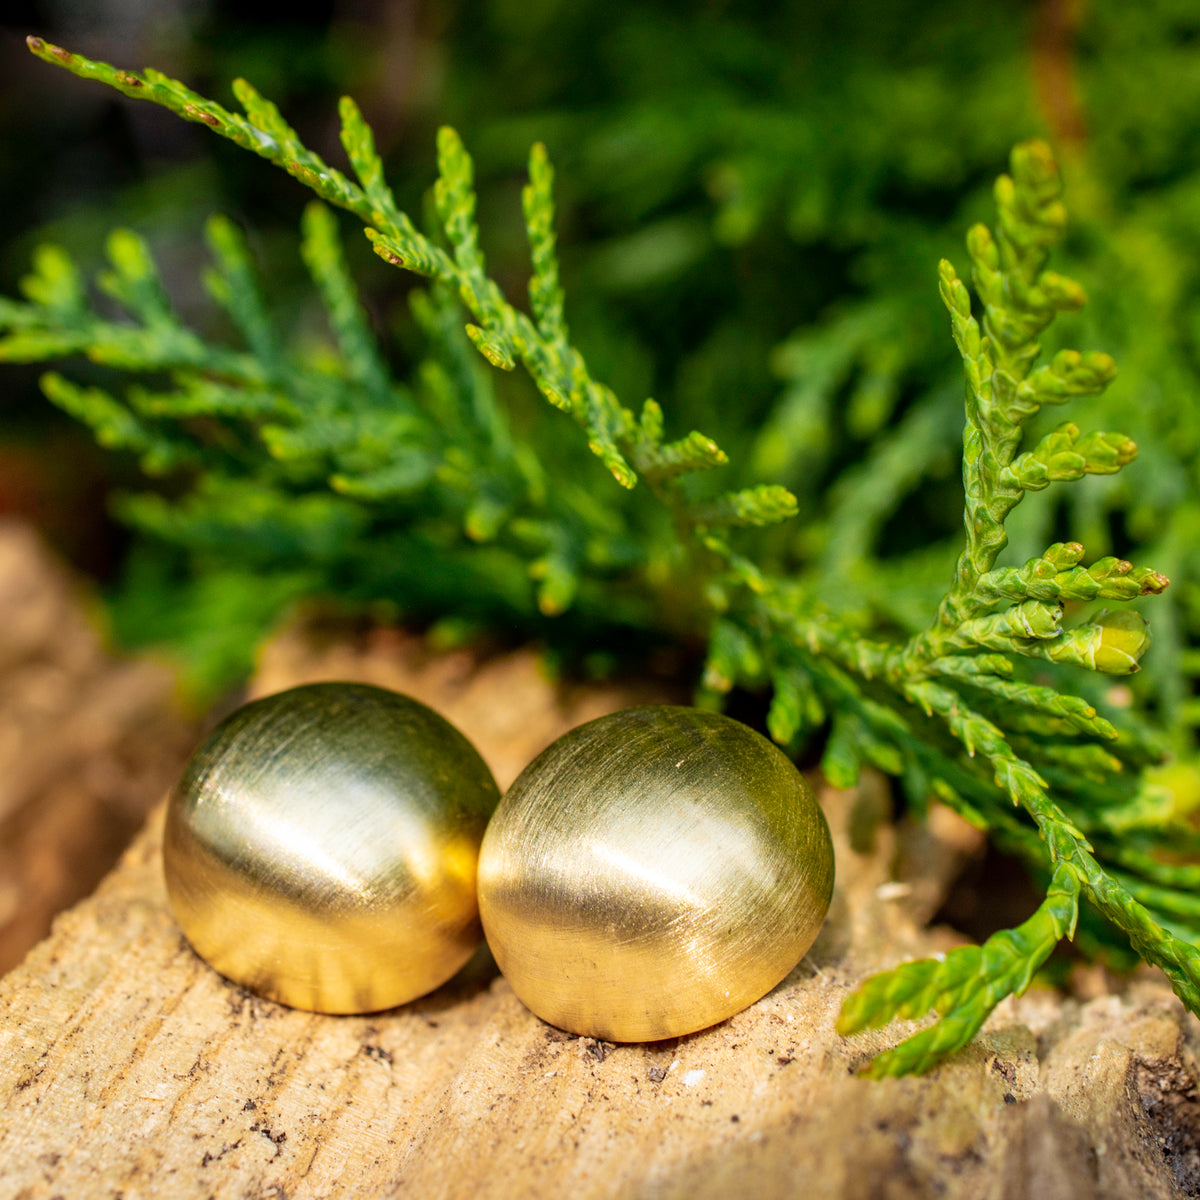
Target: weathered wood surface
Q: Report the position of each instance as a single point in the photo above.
(128, 1068)
(88, 742)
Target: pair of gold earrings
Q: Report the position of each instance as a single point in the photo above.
(336, 847)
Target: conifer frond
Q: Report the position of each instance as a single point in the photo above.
(962, 988)
(954, 712)
(1056, 576)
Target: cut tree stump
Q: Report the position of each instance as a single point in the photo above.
(129, 1069)
(88, 743)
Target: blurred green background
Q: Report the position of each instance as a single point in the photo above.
(753, 199)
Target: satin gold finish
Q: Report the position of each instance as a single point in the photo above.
(321, 848)
(652, 873)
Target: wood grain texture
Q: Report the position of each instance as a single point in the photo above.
(88, 742)
(129, 1069)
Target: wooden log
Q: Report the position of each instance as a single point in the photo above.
(128, 1068)
(88, 743)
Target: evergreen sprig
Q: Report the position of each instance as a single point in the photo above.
(970, 709)
(963, 987)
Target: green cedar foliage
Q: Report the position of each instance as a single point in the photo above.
(809, 162)
(991, 706)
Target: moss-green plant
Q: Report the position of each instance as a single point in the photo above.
(992, 706)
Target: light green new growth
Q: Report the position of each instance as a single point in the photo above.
(963, 987)
(969, 710)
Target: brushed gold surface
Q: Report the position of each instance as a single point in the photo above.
(652, 873)
(321, 848)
